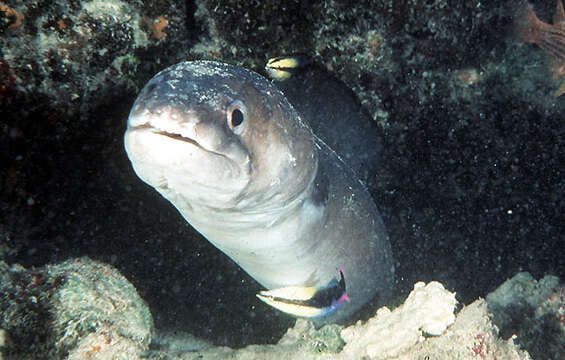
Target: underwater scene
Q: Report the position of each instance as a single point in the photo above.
(282, 179)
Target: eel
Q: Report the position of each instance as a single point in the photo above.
(243, 167)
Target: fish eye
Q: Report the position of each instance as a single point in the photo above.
(236, 116)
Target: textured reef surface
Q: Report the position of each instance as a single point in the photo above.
(471, 185)
(96, 313)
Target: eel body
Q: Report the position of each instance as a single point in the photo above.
(243, 167)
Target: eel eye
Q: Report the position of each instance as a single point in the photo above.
(236, 116)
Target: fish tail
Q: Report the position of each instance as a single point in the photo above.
(527, 26)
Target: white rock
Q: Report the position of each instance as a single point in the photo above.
(428, 310)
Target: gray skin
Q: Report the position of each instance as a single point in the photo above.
(267, 192)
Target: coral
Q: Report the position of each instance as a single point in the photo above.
(428, 310)
(11, 18)
(520, 289)
(472, 336)
(158, 26)
(173, 342)
(22, 315)
(79, 307)
(85, 309)
(66, 52)
(554, 304)
(94, 297)
(424, 327)
(532, 310)
(103, 344)
(312, 341)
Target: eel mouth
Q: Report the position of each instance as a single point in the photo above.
(173, 135)
(193, 142)
(207, 152)
(178, 137)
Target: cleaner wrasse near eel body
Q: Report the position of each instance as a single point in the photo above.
(243, 167)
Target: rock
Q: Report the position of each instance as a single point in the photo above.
(94, 312)
(533, 311)
(79, 308)
(92, 297)
(522, 288)
(424, 327)
(429, 309)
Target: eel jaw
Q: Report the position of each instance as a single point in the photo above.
(307, 301)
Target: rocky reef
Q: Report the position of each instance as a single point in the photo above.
(84, 309)
(71, 310)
